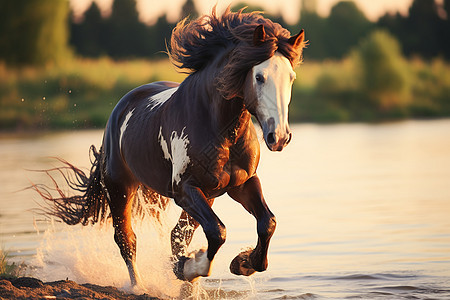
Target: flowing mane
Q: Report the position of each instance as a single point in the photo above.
(195, 44)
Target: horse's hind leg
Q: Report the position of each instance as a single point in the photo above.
(121, 199)
(250, 196)
(182, 233)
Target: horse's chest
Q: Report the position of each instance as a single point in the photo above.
(229, 167)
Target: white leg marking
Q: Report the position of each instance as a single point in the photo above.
(124, 126)
(158, 99)
(197, 265)
(178, 153)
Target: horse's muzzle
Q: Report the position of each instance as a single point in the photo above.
(274, 143)
(276, 139)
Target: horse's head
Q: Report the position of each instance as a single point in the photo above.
(271, 85)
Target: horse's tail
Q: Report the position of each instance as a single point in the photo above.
(90, 206)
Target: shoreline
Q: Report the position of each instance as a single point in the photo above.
(33, 288)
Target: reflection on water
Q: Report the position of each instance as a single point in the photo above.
(362, 210)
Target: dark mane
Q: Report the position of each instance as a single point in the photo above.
(194, 45)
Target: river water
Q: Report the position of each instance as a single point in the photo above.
(363, 211)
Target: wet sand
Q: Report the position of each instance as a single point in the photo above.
(32, 288)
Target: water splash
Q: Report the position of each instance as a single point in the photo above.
(89, 255)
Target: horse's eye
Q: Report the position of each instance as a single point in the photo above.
(259, 78)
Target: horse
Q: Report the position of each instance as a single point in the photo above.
(194, 141)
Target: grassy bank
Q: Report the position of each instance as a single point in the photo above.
(82, 93)
(79, 94)
(7, 269)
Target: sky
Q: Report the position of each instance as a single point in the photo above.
(150, 9)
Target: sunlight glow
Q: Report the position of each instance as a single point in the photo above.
(149, 10)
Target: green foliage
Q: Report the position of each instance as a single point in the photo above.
(77, 95)
(383, 70)
(385, 87)
(189, 11)
(122, 34)
(346, 25)
(88, 37)
(335, 36)
(7, 269)
(33, 32)
(425, 31)
(83, 93)
(372, 82)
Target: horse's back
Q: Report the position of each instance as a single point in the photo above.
(131, 103)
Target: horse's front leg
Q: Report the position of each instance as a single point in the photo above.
(250, 196)
(182, 233)
(196, 205)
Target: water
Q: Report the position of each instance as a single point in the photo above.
(363, 212)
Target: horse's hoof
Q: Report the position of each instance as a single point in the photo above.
(198, 264)
(192, 267)
(241, 265)
(138, 289)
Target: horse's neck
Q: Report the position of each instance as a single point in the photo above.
(224, 115)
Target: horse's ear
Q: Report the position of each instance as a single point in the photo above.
(259, 36)
(298, 39)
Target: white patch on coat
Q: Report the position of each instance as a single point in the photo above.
(163, 143)
(198, 265)
(124, 126)
(178, 153)
(274, 95)
(158, 99)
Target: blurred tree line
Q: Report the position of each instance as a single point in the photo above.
(122, 34)
(356, 70)
(39, 31)
(33, 32)
(425, 31)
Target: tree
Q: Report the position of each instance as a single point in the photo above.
(88, 37)
(423, 32)
(189, 11)
(250, 8)
(125, 33)
(33, 32)
(445, 41)
(158, 36)
(422, 24)
(383, 70)
(314, 26)
(345, 26)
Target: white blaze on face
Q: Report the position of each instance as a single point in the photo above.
(273, 80)
(124, 126)
(158, 99)
(178, 153)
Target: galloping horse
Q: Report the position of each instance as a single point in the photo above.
(194, 141)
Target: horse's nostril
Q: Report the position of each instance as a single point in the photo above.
(289, 138)
(271, 138)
